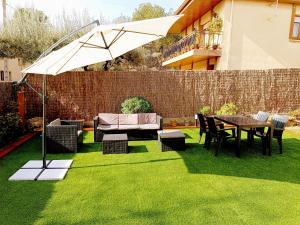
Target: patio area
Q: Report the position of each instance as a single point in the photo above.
(148, 186)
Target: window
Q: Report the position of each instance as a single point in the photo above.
(1, 75)
(295, 25)
(296, 28)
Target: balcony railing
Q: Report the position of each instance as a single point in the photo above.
(195, 40)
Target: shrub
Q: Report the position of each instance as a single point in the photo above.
(136, 105)
(228, 109)
(10, 125)
(205, 110)
(295, 113)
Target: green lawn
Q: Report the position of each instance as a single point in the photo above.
(151, 187)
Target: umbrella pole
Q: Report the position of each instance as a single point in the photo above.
(44, 122)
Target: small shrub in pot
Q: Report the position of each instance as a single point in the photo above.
(205, 110)
(136, 105)
(228, 109)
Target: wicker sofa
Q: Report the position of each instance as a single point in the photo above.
(64, 135)
(136, 126)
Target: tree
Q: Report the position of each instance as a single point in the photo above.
(29, 32)
(148, 11)
(26, 35)
(122, 19)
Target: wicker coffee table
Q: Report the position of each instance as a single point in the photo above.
(171, 140)
(115, 144)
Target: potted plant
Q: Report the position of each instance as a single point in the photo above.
(205, 110)
(214, 29)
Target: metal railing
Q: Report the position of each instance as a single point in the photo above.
(195, 40)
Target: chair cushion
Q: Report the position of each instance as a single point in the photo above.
(56, 122)
(279, 121)
(262, 116)
(149, 126)
(128, 119)
(108, 127)
(109, 118)
(147, 118)
(128, 127)
(79, 132)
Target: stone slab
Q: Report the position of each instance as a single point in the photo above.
(34, 164)
(53, 174)
(25, 174)
(60, 164)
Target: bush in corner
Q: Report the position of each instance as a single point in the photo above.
(205, 110)
(136, 105)
(228, 109)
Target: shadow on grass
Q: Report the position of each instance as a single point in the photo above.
(125, 163)
(187, 136)
(29, 197)
(137, 149)
(90, 147)
(252, 164)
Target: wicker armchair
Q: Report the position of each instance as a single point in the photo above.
(64, 135)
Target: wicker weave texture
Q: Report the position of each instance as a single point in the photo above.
(115, 145)
(172, 144)
(64, 138)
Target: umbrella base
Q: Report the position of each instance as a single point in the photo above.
(33, 170)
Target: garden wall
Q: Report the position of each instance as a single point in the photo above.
(172, 94)
(6, 91)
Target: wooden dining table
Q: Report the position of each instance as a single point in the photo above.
(245, 122)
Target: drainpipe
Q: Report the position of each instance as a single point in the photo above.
(230, 34)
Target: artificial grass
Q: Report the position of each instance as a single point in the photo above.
(151, 187)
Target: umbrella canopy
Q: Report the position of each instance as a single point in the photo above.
(103, 43)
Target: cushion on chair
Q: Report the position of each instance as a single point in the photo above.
(262, 116)
(128, 119)
(55, 122)
(149, 126)
(79, 132)
(109, 118)
(128, 127)
(279, 121)
(147, 118)
(108, 127)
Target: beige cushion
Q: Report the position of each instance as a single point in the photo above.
(149, 126)
(147, 118)
(108, 127)
(79, 132)
(128, 127)
(128, 119)
(56, 122)
(109, 118)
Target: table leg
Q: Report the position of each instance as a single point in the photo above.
(270, 140)
(238, 142)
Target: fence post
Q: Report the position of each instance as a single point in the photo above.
(21, 105)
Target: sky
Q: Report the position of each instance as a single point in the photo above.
(109, 9)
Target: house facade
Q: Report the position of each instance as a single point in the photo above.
(14, 67)
(250, 34)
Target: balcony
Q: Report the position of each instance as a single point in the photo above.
(195, 47)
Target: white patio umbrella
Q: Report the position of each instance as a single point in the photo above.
(103, 43)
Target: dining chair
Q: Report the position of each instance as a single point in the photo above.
(260, 116)
(216, 132)
(203, 127)
(279, 122)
